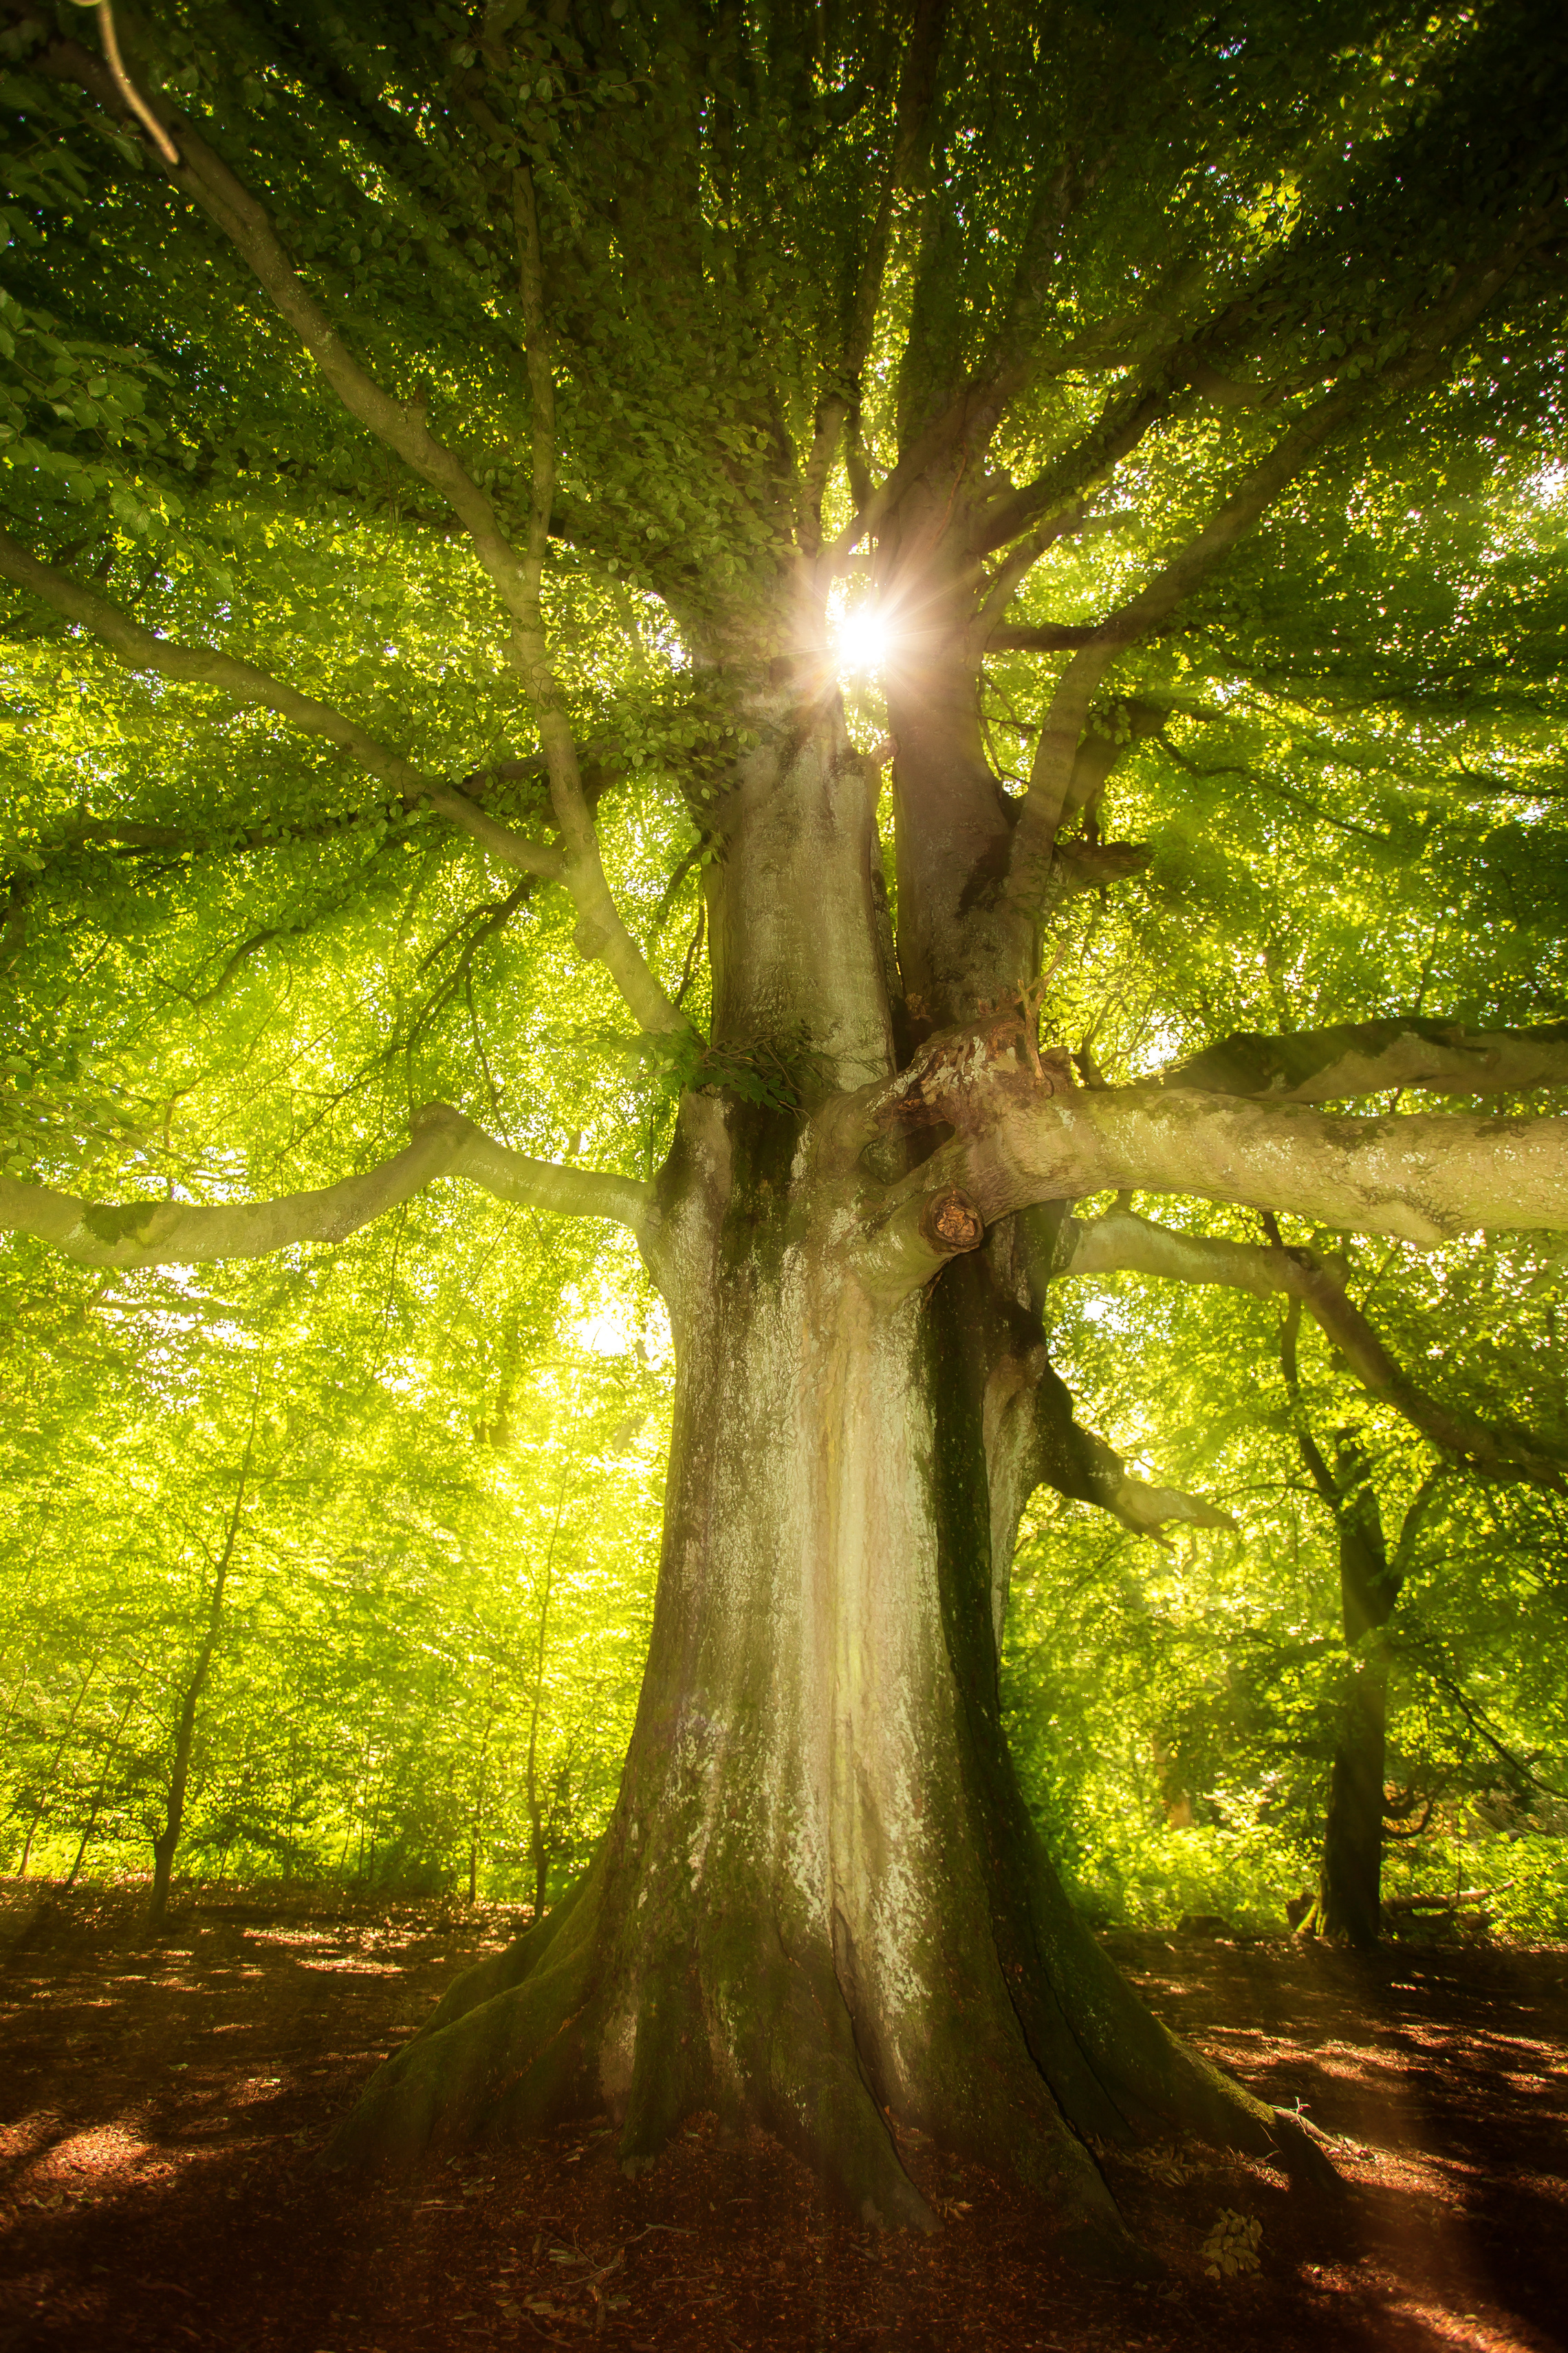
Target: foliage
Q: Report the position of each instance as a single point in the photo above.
(426, 1547)
(237, 959)
(1175, 1711)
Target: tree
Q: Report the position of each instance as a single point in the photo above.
(166, 1843)
(639, 338)
(1349, 1903)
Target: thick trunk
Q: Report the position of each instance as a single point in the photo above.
(821, 1903)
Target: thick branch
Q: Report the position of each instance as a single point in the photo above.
(1422, 1179)
(1120, 1242)
(1041, 637)
(177, 1233)
(1363, 1058)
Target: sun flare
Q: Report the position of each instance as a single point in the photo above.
(863, 640)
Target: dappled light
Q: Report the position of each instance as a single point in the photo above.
(170, 2187)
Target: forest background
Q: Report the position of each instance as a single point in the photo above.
(349, 1556)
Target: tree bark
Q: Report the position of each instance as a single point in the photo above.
(821, 1903)
(1350, 1904)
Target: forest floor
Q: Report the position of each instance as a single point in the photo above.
(161, 2109)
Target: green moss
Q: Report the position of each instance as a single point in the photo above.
(113, 1222)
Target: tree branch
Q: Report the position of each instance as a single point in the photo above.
(1312, 1454)
(600, 930)
(1363, 1058)
(1041, 637)
(1120, 1242)
(446, 1143)
(1154, 604)
(840, 403)
(141, 650)
(1425, 1178)
(204, 177)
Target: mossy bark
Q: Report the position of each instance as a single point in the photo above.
(820, 1904)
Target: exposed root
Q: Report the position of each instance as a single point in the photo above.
(1307, 2161)
(511, 2055)
(789, 2039)
(581, 2016)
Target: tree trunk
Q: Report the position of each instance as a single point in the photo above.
(538, 1848)
(1350, 1903)
(97, 1796)
(821, 1903)
(167, 1844)
(41, 1811)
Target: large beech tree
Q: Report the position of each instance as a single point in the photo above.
(470, 426)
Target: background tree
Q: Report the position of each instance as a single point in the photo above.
(523, 389)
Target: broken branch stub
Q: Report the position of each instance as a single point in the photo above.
(950, 1221)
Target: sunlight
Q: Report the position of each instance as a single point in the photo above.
(862, 638)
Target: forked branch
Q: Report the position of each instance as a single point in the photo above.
(1431, 333)
(1122, 1242)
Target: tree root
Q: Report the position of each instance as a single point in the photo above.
(582, 2016)
(507, 2050)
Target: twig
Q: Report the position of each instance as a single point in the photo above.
(128, 90)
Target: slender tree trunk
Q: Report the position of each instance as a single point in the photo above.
(1349, 1903)
(166, 1843)
(41, 1813)
(476, 1820)
(97, 1796)
(821, 1901)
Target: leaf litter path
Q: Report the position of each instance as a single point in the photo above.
(161, 2109)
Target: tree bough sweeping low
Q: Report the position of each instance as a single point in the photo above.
(718, 311)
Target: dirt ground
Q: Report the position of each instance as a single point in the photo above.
(161, 2110)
